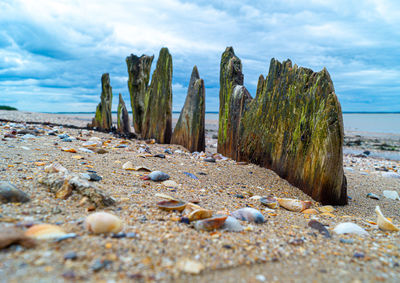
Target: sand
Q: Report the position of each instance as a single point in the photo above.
(262, 252)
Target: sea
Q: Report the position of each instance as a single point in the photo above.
(365, 123)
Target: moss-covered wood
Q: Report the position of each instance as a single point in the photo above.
(293, 126)
(123, 126)
(189, 130)
(103, 119)
(157, 120)
(230, 76)
(139, 77)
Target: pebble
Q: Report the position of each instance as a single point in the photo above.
(346, 241)
(70, 256)
(209, 159)
(118, 235)
(159, 155)
(157, 176)
(320, 227)
(168, 151)
(10, 193)
(94, 177)
(191, 175)
(100, 264)
(358, 255)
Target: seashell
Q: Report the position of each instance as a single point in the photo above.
(128, 166)
(326, 208)
(310, 211)
(172, 205)
(194, 212)
(391, 195)
(373, 196)
(45, 232)
(190, 266)
(10, 193)
(199, 214)
(271, 202)
(170, 184)
(103, 222)
(68, 149)
(349, 228)
(158, 176)
(165, 196)
(294, 204)
(55, 168)
(384, 223)
(248, 214)
(210, 224)
(232, 225)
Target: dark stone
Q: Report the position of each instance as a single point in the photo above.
(123, 126)
(70, 255)
(320, 227)
(118, 235)
(157, 121)
(293, 126)
(189, 130)
(209, 159)
(94, 177)
(139, 77)
(160, 155)
(103, 119)
(10, 193)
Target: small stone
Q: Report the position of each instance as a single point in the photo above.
(100, 264)
(358, 255)
(239, 196)
(168, 151)
(118, 235)
(159, 155)
(70, 274)
(157, 176)
(10, 193)
(320, 227)
(346, 241)
(70, 256)
(209, 159)
(132, 235)
(94, 177)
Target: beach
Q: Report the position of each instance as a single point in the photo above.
(162, 249)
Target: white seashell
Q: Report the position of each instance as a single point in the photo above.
(103, 222)
(384, 223)
(55, 168)
(232, 225)
(170, 184)
(391, 194)
(128, 166)
(350, 228)
(294, 204)
(190, 266)
(248, 214)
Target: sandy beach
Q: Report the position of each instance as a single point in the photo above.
(283, 249)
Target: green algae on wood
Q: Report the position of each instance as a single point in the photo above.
(123, 126)
(157, 119)
(189, 130)
(103, 119)
(139, 77)
(232, 102)
(293, 126)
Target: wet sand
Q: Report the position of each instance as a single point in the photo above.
(284, 249)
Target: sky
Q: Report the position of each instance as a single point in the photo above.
(53, 53)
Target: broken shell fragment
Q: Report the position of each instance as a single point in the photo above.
(310, 211)
(326, 208)
(232, 225)
(55, 168)
(210, 224)
(383, 223)
(170, 184)
(44, 232)
(128, 166)
(172, 204)
(350, 228)
(103, 222)
(294, 204)
(249, 214)
(271, 202)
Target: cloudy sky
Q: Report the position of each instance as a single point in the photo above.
(52, 53)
